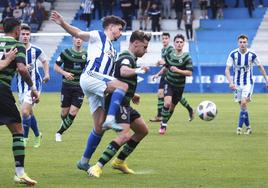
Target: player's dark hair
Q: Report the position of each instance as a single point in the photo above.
(10, 23)
(166, 34)
(113, 20)
(179, 36)
(242, 36)
(140, 36)
(25, 27)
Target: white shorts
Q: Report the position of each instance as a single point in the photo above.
(243, 92)
(94, 85)
(26, 97)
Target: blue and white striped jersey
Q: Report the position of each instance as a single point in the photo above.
(242, 66)
(101, 54)
(33, 54)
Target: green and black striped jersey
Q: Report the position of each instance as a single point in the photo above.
(182, 61)
(73, 62)
(166, 51)
(126, 58)
(6, 43)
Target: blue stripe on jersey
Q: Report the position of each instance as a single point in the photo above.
(97, 63)
(253, 56)
(108, 63)
(239, 71)
(245, 70)
(232, 55)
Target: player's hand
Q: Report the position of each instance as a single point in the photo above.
(154, 77)
(145, 68)
(160, 62)
(56, 17)
(35, 96)
(174, 69)
(232, 87)
(11, 54)
(136, 99)
(46, 78)
(69, 76)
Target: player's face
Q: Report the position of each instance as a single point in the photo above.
(25, 36)
(165, 40)
(141, 47)
(243, 43)
(116, 31)
(78, 42)
(178, 44)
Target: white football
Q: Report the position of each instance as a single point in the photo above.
(207, 110)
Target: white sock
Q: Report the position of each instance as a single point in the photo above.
(84, 160)
(19, 171)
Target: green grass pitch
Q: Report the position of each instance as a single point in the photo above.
(191, 155)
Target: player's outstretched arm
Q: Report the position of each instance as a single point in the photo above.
(228, 77)
(74, 31)
(263, 72)
(126, 71)
(46, 71)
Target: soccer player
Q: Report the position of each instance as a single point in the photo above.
(242, 60)
(178, 66)
(9, 113)
(94, 81)
(126, 70)
(33, 55)
(73, 61)
(166, 50)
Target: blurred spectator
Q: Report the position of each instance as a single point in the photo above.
(144, 6)
(220, 4)
(7, 12)
(166, 7)
(17, 12)
(154, 14)
(38, 15)
(97, 7)
(260, 3)
(126, 8)
(189, 2)
(27, 13)
(204, 9)
(88, 8)
(188, 21)
(178, 7)
(214, 8)
(108, 7)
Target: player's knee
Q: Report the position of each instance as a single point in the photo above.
(25, 113)
(124, 86)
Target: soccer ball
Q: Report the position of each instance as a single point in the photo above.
(207, 110)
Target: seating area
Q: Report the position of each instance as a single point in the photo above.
(215, 38)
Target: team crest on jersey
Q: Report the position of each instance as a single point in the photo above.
(123, 116)
(84, 57)
(110, 53)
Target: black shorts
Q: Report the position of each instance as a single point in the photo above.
(71, 95)
(127, 114)
(162, 82)
(9, 112)
(174, 92)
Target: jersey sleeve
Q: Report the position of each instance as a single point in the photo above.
(21, 54)
(94, 36)
(59, 60)
(189, 63)
(42, 57)
(255, 59)
(230, 60)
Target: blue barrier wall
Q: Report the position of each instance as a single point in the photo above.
(213, 81)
